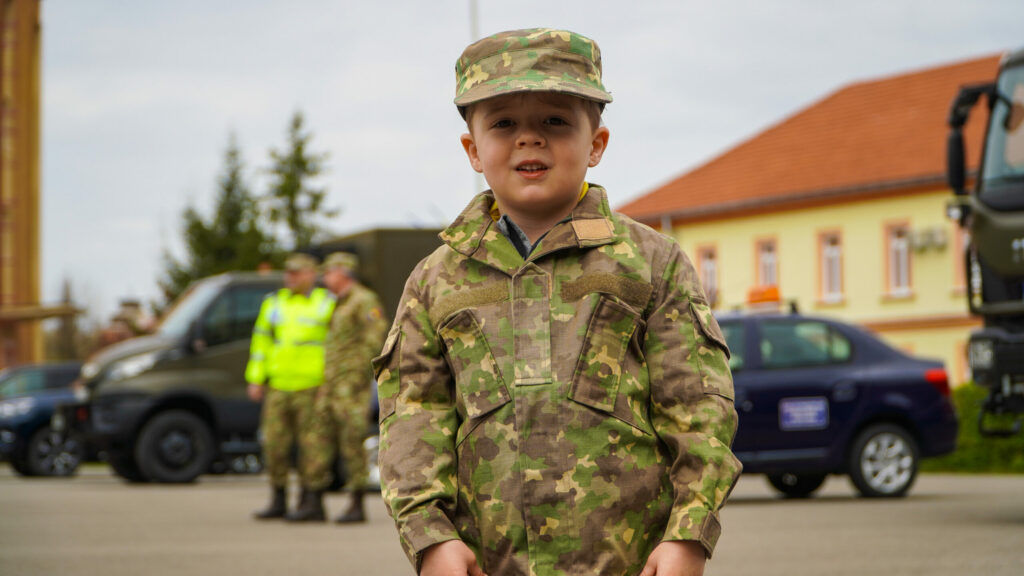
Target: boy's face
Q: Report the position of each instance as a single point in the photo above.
(534, 149)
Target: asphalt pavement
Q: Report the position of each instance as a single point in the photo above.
(95, 525)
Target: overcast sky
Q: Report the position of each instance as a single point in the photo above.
(139, 99)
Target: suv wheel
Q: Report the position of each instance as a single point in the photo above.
(52, 454)
(883, 462)
(174, 447)
(796, 485)
(124, 466)
(18, 463)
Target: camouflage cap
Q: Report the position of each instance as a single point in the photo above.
(299, 261)
(342, 260)
(538, 59)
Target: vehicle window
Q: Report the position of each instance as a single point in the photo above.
(188, 306)
(734, 337)
(788, 344)
(231, 317)
(22, 382)
(59, 378)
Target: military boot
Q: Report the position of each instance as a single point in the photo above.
(355, 513)
(277, 509)
(311, 508)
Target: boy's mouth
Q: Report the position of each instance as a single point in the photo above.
(531, 168)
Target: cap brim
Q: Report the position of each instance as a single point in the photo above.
(485, 90)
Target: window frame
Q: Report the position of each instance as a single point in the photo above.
(759, 249)
(892, 229)
(713, 280)
(826, 293)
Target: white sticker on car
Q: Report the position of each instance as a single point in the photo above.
(803, 413)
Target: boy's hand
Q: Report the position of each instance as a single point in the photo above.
(676, 558)
(451, 558)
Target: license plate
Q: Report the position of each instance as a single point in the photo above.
(803, 413)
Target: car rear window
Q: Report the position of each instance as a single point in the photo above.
(795, 344)
(734, 336)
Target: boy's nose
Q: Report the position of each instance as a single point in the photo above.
(529, 137)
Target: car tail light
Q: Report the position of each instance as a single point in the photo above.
(938, 379)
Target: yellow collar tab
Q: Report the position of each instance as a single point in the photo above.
(496, 212)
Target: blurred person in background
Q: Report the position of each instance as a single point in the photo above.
(285, 372)
(356, 335)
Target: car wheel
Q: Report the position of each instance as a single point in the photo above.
(796, 485)
(883, 462)
(124, 466)
(174, 447)
(52, 454)
(18, 464)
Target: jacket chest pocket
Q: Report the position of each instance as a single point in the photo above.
(478, 382)
(598, 379)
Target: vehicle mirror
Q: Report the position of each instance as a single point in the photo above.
(955, 161)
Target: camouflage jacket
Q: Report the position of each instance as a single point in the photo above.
(560, 415)
(357, 330)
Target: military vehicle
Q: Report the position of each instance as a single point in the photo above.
(992, 215)
(170, 406)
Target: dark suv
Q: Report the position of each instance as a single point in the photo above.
(816, 396)
(172, 405)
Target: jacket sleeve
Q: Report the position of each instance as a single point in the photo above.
(418, 426)
(261, 344)
(691, 400)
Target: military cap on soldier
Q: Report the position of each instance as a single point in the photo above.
(538, 59)
(297, 261)
(342, 260)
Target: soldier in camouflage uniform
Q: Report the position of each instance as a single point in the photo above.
(555, 394)
(357, 331)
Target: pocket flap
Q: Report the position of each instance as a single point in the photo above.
(478, 380)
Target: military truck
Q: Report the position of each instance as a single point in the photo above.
(170, 406)
(992, 215)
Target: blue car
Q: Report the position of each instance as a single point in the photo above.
(816, 397)
(28, 396)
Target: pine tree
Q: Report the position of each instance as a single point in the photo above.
(291, 201)
(232, 239)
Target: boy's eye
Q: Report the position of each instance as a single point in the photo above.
(502, 124)
(556, 121)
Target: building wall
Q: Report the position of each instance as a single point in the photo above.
(931, 320)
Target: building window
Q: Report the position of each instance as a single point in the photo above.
(707, 267)
(831, 266)
(898, 259)
(767, 263)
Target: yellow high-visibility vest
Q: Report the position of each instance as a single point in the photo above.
(287, 350)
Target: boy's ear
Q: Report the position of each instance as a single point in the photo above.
(469, 145)
(599, 145)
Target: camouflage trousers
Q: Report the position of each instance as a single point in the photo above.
(287, 417)
(345, 417)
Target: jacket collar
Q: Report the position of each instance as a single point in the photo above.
(475, 235)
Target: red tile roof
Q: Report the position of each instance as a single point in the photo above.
(882, 134)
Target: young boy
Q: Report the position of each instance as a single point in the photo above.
(555, 393)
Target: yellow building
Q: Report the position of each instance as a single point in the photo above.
(20, 311)
(841, 207)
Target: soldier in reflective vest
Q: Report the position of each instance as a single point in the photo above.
(285, 370)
